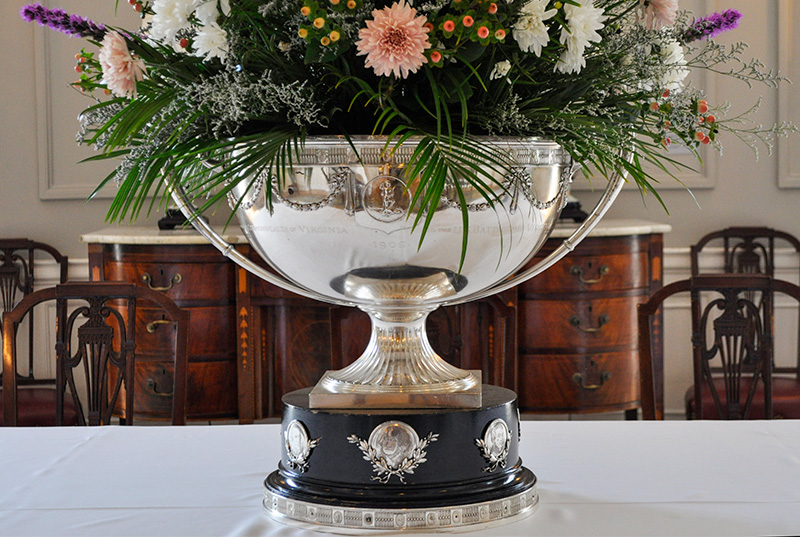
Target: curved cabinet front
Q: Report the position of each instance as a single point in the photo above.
(199, 279)
(577, 325)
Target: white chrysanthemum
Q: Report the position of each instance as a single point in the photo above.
(571, 61)
(583, 23)
(170, 17)
(211, 42)
(501, 69)
(672, 54)
(208, 10)
(530, 31)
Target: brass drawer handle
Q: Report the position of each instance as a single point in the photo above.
(577, 271)
(152, 326)
(601, 321)
(146, 278)
(579, 380)
(150, 386)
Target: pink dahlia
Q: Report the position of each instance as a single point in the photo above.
(394, 41)
(658, 13)
(120, 70)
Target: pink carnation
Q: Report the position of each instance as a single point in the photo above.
(658, 13)
(394, 41)
(120, 70)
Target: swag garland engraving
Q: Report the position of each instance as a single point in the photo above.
(394, 449)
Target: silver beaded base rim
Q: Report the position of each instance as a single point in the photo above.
(363, 520)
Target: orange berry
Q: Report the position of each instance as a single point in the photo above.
(302, 32)
(702, 107)
(710, 119)
(500, 34)
(449, 26)
(78, 69)
(492, 8)
(467, 21)
(483, 32)
(319, 22)
(305, 10)
(351, 4)
(335, 36)
(699, 136)
(183, 42)
(325, 41)
(436, 56)
(665, 94)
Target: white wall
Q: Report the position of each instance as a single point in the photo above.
(43, 188)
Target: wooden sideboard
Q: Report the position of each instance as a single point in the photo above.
(565, 341)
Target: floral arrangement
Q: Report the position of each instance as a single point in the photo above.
(246, 81)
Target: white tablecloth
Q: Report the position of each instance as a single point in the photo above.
(595, 478)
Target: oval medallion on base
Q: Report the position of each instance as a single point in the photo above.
(402, 469)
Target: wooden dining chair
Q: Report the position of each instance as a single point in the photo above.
(17, 279)
(95, 350)
(732, 346)
(752, 250)
(747, 250)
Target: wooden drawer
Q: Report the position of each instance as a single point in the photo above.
(593, 382)
(211, 390)
(217, 324)
(599, 273)
(602, 323)
(179, 281)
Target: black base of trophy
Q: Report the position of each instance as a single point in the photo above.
(400, 469)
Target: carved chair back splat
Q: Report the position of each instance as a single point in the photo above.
(732, 343)
(95, 349)
(17, 279)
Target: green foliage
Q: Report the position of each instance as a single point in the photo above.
(293, 69)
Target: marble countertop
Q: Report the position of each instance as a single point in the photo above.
(609, 227)
(153, 235)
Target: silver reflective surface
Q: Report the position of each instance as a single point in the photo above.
(342, 227)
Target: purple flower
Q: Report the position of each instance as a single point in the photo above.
(711, 26)
(60, 20)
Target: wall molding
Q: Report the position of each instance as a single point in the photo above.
(61, 175)
(788, 94)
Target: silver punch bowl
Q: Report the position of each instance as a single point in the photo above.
(341, 230)
(400, 439)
